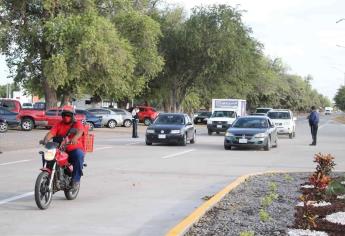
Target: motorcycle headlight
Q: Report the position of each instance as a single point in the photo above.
(261, 135)
(49, 155)
(228, 134)
(175, 131)
(150, 131)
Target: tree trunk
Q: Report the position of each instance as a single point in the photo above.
(66, 100)
(50, 95)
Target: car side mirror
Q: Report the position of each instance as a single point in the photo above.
(295, 118)
(272, 126)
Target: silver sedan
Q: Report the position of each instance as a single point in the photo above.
(109, 117)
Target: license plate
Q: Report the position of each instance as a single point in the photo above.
(161, 136)
(219, 126)
(243, 140)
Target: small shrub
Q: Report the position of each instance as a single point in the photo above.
(264, 215)
(288, 178)
(247, 233)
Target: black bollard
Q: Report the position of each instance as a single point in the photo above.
(135, 128)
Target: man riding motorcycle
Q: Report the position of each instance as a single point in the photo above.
(75, 147)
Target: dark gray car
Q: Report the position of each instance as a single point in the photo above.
(251, 131)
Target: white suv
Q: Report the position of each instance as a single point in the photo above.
(284, 121)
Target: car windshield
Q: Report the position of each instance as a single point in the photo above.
(230, 114)
(254, 123)
(262, 110)
(279, 115)
(170, 119)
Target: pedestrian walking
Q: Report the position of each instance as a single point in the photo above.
(314, 124)
(135, 119)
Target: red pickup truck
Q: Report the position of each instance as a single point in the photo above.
(31, 118)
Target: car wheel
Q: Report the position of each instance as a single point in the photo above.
(209, 132)
(268, 144)
(148, 143)
(227, 147)
(147, 121)
(127, 123)
(91, 126)
(290, 136)
(194, 138)
(27, 124)
(184, 140)
(276, 143)
(217, 132)
(294, 134)
(3, 127)
(112, 124)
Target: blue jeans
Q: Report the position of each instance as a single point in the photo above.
(76, 158)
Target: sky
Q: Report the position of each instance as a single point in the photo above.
(304, 33)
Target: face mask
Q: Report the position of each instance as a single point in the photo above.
(67, 119)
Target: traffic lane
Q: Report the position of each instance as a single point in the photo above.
(112, 196)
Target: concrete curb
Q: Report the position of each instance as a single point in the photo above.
(182, 227)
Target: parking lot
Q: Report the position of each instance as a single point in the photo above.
(132, 189)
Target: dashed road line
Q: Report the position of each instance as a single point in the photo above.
(177, 154)
(11, 199)
(15, 162)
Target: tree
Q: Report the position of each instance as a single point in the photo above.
(67, 47)
(340, 98)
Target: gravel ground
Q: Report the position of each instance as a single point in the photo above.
(239, 211)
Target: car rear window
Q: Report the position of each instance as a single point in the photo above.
(279, 115)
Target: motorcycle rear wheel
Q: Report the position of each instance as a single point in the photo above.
(43, 197)
(71, 193)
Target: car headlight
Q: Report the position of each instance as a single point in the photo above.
(261, 135)
(228, 134)
(150, 131)
(175, 131)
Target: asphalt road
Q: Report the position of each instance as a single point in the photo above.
(133, 189)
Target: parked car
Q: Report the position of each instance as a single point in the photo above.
(126, 116)
(3, 125)
(251, 131)
(92, 120)
(146, 114)
(171, 128)
(284, 120)
(202, 117)
(11, 104)
(263, 109)
(11, 118)
(109, 118)
(27, 105)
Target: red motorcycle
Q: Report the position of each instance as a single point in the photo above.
(55, 175)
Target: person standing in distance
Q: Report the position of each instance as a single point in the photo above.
(314, 124)
(135, 122)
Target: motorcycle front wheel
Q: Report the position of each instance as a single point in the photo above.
(43, 196)
(71, 193)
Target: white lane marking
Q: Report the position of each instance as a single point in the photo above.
(178, 154)
(132, 143)
(102, 148)
(14, 162)
(11, 199)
